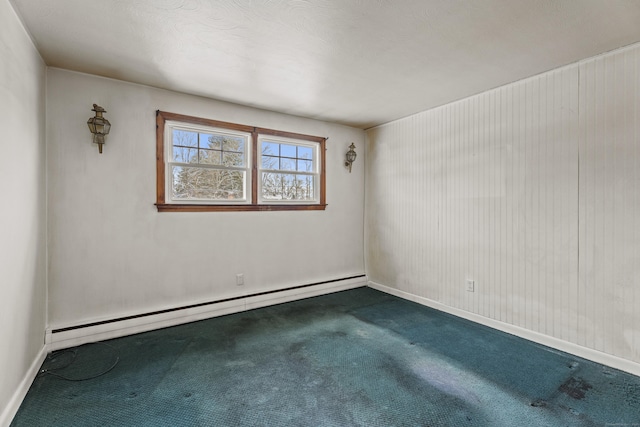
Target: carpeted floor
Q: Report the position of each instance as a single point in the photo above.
(352, 358)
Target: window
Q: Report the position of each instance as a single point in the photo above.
(288, 171)
(207, 165)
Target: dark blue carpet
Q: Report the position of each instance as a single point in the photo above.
(353, 358)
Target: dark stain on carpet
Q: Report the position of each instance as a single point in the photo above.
(575, 388)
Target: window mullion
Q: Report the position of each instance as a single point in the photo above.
(254, 167)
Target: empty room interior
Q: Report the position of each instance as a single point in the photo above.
(320, 212)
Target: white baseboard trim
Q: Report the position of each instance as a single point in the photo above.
(7, 414)
(556, 343)
(119, 328)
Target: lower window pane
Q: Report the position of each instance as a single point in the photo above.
(207, 184)
(280, 186)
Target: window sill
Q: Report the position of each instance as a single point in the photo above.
(172, 207)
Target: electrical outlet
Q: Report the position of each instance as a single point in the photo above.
(471, 285)
(240, 279)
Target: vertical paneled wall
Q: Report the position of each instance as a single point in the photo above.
(530, 190)
(609, 266)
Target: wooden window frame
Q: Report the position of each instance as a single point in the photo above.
(162, 117)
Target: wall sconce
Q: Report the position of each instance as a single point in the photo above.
(351, 156)
(99, 126)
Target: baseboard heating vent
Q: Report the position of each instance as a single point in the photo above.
(111, 328)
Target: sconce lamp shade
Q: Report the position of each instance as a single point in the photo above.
(99, 126)
(351, 156)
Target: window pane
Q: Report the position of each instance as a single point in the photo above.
(210, 157)
(275, 185)
(287, 164)
(233, 143)
(269, 162)
(305, 153)
(211, 141)
(271, 188)
(185, 138)
(270, 149)
(288, 150)
(305, 166)
(305, 189)
(185, 155)
(280, 186)
(192, 183)
(288, 187)
(233, 159)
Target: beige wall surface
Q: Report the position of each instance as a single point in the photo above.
(530, 190)
(112, 254)
(22, 217)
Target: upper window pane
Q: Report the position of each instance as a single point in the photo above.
(209, 148)
(210, 141)
(230, 143)
(289, 157)
(287, 150)
(270, 162)
(287, 164)
(305, 165)
(305, 152)
(185, 155)
(210, 157)
(270, 148)
(231, 158)
(185, 138)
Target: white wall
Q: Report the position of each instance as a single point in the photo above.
(531, 190)
(113, 254)
(22, 216)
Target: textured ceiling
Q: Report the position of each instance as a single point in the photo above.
(357, 62)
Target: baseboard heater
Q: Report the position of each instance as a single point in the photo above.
(125, 325)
